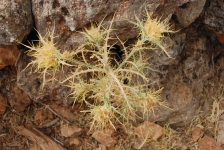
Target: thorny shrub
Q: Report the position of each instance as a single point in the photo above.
(114, 90)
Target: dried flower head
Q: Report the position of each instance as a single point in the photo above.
(47, 56)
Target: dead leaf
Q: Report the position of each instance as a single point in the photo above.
(38, 138)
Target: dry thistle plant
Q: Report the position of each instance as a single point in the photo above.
(152, 31)
(113, 93)
(106, 93)
(47, 59)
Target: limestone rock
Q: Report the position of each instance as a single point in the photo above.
(188, 14)
(15, 21)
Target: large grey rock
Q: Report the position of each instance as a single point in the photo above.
(181, 104)
(184, 82)
(72, 15)
(188, 14)
(214, 17)
(15, 21)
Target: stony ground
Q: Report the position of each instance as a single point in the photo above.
(35, 118)
(27, 124)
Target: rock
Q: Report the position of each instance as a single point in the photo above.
(31, 83)
(190, 12)
(181, 106)
(15, 21)
(169, 7)
(184, 81)
(214, 18)
(196, 133)
(149, 130)
(208, 143)
(39, 116)
(8, 55)
(18, 99)
(174, 46)
(105, 137)
(70, 130)
(74, 141)
(3, 104)
(64, 111)
(69, 16)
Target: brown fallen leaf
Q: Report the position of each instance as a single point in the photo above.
(38, 138)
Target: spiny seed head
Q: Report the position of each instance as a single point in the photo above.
(67, 56)
(80, 90)
(102, 115)
(46, 54)
(154, 29)
(94, 35)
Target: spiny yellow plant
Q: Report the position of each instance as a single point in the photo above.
(46, 56)
(112, 92)
(152, 30)
(95, 34)
(121, 90)
(105, 114)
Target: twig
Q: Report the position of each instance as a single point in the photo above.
(54, 112)
(51, 123)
